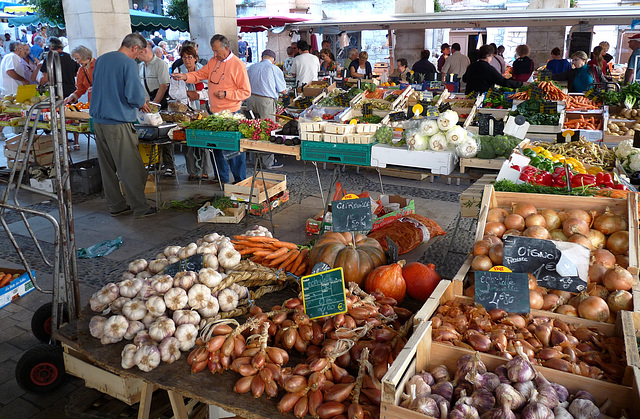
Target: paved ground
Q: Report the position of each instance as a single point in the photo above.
(147, 237)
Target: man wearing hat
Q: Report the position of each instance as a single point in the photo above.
(632, 71)
(267, 82)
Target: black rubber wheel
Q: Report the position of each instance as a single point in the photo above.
(41, 323)
(41, 369)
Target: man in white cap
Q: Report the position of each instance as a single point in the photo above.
(632, 71)
(267, 82)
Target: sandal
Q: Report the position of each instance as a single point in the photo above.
(76, 147)
(205, 177)
(193, 177)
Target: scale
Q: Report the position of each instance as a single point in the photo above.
(152, 133)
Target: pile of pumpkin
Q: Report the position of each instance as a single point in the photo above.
(605, 234)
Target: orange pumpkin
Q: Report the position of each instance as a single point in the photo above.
(356, 255)
(388, 280)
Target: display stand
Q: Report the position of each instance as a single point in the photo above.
(153, 165)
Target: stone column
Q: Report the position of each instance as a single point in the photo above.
(210, 17)
(410, 42)
(94, 23)
(542, 39)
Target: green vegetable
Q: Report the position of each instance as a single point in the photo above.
(508, 186)
(384, 135)
(222, 202)
(214, 123)
(496, 146)
(528, 152)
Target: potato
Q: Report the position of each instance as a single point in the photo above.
(634, 112)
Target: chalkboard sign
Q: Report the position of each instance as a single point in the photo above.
(536, 92)
(549, 107)
(352, 215)
(432, 112)
(508, 291)
(556, 265)
(544, 75)
(192, 263)
(320, 267)
(594, 94)
(493, 94)
(580, 41)
(323, 293)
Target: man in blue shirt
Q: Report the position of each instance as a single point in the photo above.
(632, 72)
(37, 48)
(115, 96)
(267, 82)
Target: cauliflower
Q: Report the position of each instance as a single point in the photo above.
(447, 120)
(634, 162)
(467, 148)
(456, 135)
(429, 127)
(624, 149)
(438, 142)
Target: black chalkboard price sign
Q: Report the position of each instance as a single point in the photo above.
(556, 265)
(323, 293)
(352, 215)
(508, 291)
(192, 263)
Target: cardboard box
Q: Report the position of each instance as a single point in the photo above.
(314, 89)
(232, 215)
(46, 185)
(17, 288)
(275, 183)
(275, 201)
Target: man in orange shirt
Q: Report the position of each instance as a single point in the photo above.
(228, 87)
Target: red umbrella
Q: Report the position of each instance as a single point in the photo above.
(262, 23)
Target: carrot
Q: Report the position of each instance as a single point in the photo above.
(6, 280)
(249, 250)
(277, 261)
(292, 256)
(287, 245)
(256, 259)
(301, 269)
(277, 253)
(261, 239)
(262, 253)
(299, 259)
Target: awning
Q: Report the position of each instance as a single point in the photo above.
(29, 20)
(263, 23)
(8, 7)
(143, 21)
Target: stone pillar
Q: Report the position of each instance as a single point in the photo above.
(542, 39)
(93, 23)
(410, 42)
(210, 17)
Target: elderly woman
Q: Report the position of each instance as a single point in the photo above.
(582, 75)
(361, 68)
(523, 65)
(84, 80)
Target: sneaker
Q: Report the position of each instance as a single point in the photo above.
(169, 172)
(121, 212)
(276, 165)
(151, 211)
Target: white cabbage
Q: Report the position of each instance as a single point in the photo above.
(467, 148)
(429, 127)
(438, 142)
(447, 120)
(456, 135)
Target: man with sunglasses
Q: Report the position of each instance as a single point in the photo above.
(228, 87)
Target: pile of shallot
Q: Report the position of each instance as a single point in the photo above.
(513, 390)
(606, 235)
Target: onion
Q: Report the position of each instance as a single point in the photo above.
(536, 301)
(583, 240)
(524, 209)
(497, 214)
(491, 239)
(481, 247)
(536, 232)
(567, 310)
(596, 273)
(609, 223)
(594, 308)
(514, 221)
(470, 292)
(552, 218)
(575, 225)
(558, 235)
(495, 228)
(481, 263)
(622, 260)
(620, 300)
(533, 282)
(578, 213)
(618, 243)
(535, 220)
(597, 290)
(603, 257)
(512, 232)
(495, 254)
(564, 295)
(551, 301)
(597, 239)
(618, 278)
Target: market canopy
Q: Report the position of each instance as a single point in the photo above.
(263, 23)
(11, 7)
(30, 20)
(143, 21)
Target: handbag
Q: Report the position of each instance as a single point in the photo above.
(164, 102)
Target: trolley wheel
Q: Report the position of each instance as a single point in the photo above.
(41, 369)
(41, 323)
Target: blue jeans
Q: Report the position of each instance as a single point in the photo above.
(238, 166)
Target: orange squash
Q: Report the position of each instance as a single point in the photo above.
(356, 255)
(388, 280)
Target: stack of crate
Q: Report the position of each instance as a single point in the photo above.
(41, 152)
(311, 131)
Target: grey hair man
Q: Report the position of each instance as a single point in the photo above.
(11, 70)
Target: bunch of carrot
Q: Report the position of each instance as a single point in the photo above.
(583, 123)
(5, 279)
(271, 252)
(575, 103)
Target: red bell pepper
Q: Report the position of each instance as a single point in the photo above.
(528, 174)
(619, 186)
(604, 179)
(581, 180)
(543, 179)
(559, 177)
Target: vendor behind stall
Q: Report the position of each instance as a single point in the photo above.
(557, 64)
(361, 68)
(480, 76)
(401, 72)
(305, 66)
(424, 66)
(582, 75)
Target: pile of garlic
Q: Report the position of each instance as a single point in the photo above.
(162, 314)
(258, 231)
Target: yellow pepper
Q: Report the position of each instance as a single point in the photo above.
(557, 158)
(580, 170)
(545, 153)
(594, 170)
(538, 149)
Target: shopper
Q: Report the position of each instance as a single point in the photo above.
(557, 64)
(353, 55)
(288, 62)
(12, 71)
(631, 75)
(497, 61)
(296, 52)
(523, 66)
(116, 96)
(401, 72)
(305, 66)
(30, 66)
(328, 60)
(582, 75)
(424, 66)
(178, 62)
(68, 65)
(228, 87)
(361, 68)
(501, 51)
(38, 48)
(445, 51)
(481, 76)
(456, 64)
(267, 83)
(326, 44)
(242, 48)
(605, 52)
(597, 59)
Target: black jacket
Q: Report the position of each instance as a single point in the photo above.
(425, 68)
(480, 76)
(569, 76)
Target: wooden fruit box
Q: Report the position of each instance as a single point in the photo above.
(497, 113)
(471, 198)
(488, 164)
(548, 129)
(269, 147)
(311, 136)
(631, 331)
(275, 183)
(608, 137)
(232, 215)
(363, 128)
(421, 354)
(68, 114)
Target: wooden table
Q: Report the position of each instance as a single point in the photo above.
(268, 147)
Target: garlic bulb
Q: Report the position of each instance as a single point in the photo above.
(158, 265)
(148, 319)
(156, 306)
(228, 299)
(210, 261)
(130, 287)
(169, 350)
(127, 354)
(114, 329)
(133, 329)
(209, 248)
(211, 308)
(147, 358)
(96, 326)
(176, 299)
(228, 257)
(143, 338)
(243, 292)
(186, 335)
(147, 290)
(209, 277)
(127, 275)
(187, 251)
(186, 317)
(198, 296)
(184, 280)
(171, 251)
(138, 266)
(211, 238)
(144, 275)
(162, 283)
(134, 309)
(101, 299)
(163, 327)
(174, 259)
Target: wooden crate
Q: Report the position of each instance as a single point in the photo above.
(548, 129)
(420, 353)
(471, 198)
(268, 147)
(232, 215)
(630, 323)
(488, 164)
(68, 114)
(275, 184)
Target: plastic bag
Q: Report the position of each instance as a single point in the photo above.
(101, 249)
(178, 91)
(153, 119)
(209, 213)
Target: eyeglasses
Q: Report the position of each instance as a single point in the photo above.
(215, 72)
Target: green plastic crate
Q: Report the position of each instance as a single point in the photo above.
(220, 140)
(356, 154)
